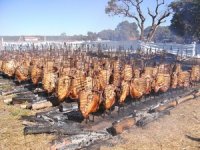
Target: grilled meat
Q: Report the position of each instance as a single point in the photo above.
(162, 82)
(63, 87)
(89, 102)
(109, 96)
(140, 86)
(184, 79)
(8, 67)
(49, 81)
(125, 90)
(127, 73)
(195, 73)
(36, 74)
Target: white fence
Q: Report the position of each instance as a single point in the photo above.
(191, 50)
(177, 49)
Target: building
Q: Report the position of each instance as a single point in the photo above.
(31, 39)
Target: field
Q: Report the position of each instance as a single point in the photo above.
(11, 131)
(171, 132)
(180, 130)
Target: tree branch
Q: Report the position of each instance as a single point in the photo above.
(160, 20)
(137, 6)
(127, 13)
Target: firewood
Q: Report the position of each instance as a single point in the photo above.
(42, 105)
(119, 126)
(22, 99)
(165, 106)
(7, 100)
(15, 91)
(197, 94)
(28, 123)
(68, 107)
(68, 128)
(151, 117)
(26, 106)
(38, 130)
(184, 99)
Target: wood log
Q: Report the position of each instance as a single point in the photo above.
(119, 126)
(151, 117)
(38, 90)
(28, 123)
(68, 107)
(26, 106)
(38, 130)
(41, 105)
(7, 83)
(22, 99)
(7, 100)
(197, 94)
(69, 128)
(184, 99)
(15, 91)
(165, 106)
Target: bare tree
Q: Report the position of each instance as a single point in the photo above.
(156, 18)
(132, 9)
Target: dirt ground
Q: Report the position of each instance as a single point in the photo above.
(180, 130)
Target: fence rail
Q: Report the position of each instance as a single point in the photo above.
(192, 50)
(177, 49)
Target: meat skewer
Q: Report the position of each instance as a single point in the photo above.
(89, 102)
(125, 90)
(109, 96)
(92, 80)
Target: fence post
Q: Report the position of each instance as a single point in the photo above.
(194, 49)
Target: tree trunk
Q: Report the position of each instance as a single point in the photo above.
(142, 35)
(142, 31)
(151, 33)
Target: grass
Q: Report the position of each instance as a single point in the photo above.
(11, 131)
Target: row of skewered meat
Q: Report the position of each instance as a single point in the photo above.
(94, 81)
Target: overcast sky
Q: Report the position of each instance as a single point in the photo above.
(52, 17)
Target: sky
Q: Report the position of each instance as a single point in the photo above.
(53, 17)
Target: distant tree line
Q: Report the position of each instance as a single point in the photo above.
(186, 19)
(124, 31)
